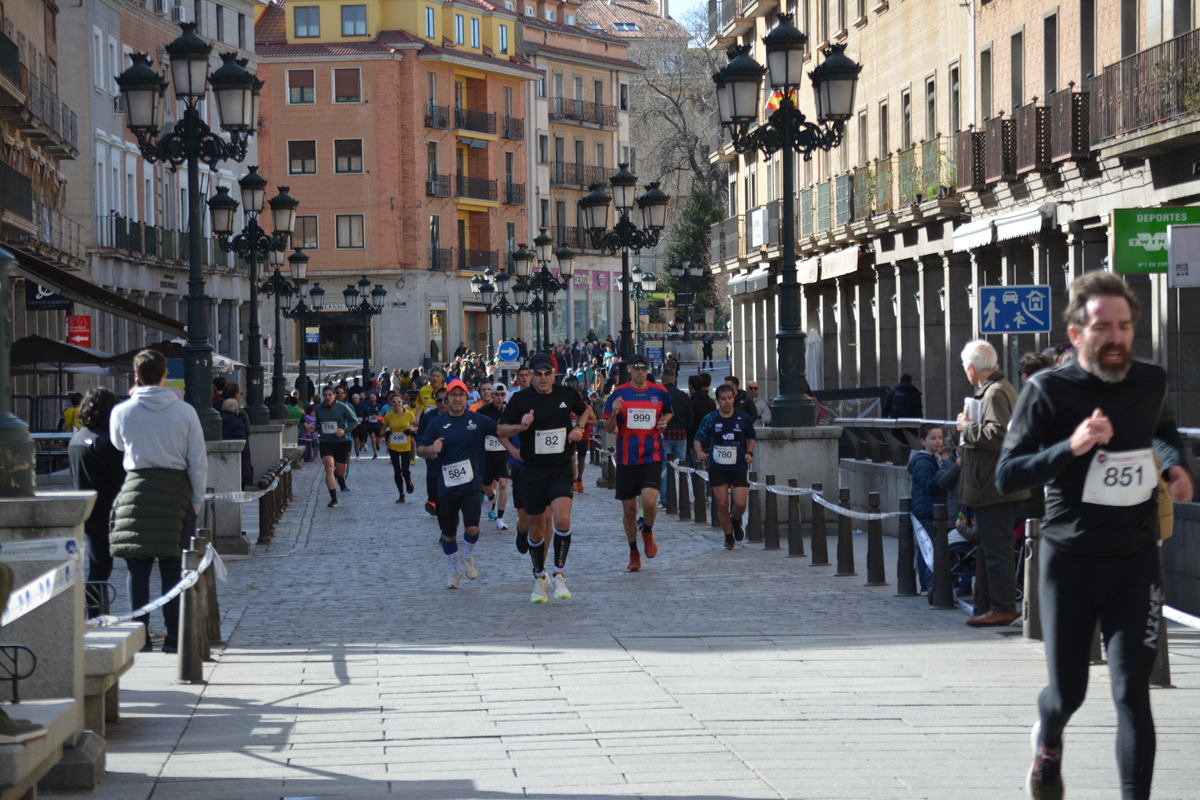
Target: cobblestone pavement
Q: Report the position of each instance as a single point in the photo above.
(351, 672)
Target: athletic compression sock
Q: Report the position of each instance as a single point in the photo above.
(500, 514)
(451, 550)
(469, 546)
(562, 545)
(537, 554)
(633, 547)
(341, 479)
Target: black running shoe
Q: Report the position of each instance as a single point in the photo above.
(1044, 781)
(522, 543)
(408, 485)
(332, 504)
(739, 532)
(729, 542)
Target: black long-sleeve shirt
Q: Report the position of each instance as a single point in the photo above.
(1037, 452)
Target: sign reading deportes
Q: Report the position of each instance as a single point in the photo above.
(1140, 236)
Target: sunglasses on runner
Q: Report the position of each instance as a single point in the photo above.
(440, 400)
(640, 367)
(542, 373)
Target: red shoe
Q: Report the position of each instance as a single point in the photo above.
(579, 486)
(635, 561)
(648, 543)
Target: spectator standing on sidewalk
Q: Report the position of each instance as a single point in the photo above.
(760, 404)
(926, 492)
(741, 400)
(904, 400)
(707, 350)
(982, 425)
(675, 437)
(232, 427)
(702, 405)
(166, 470)
(96, 465)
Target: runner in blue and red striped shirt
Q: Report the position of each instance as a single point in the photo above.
(638, 412)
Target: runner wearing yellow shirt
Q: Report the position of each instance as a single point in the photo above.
(426, 398)
(400, 423)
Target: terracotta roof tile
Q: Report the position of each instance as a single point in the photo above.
(404, 37)
(562, 51)
(644, 14)
(330, 49)
(572, 30)
(271, 27)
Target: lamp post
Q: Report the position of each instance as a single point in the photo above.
(625, 235)
(738, 86)
(541, 282)
(315, 296)
(252, 243)
(362, 299)
(644, 284)
(190, 142)
(495, 300)
(282, 290)
(687, 272)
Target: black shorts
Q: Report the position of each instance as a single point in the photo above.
(539, 488)
(581, 447)
(633, 478)
(339, 450)
(736, 480)
(494, 467)
(449, 507)
(360, 433)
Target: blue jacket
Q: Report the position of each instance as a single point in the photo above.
(923, 467)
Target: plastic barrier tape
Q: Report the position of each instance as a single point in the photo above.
(59, 549)
(188, 581)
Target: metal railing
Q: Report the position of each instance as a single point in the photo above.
(732, 235)
(570, 236)
(514, 128)
(999, 154)
(1150, 87)
(714, 17)
(774, 221)
(479, 121)
(10, 60)
(1032, 152)
(970, 146)
(824, 205)
(805, 217)
(883, 185)
(475, 188)
(843, 199)
(478, 259)
(514, 194)
(437, 185)
(441, 258)
(46, 107)
(16, 192)
(437, 116)
(565, 108)
(120, 233)
(931, 167)
(861, 189)
(909, 175)
(1069, 124)
(729, 9)
(716, 243)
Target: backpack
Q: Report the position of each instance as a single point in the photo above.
(901, 405)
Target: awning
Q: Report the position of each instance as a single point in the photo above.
(89, 294)
(1022, 223)
(843, 262)
(807, 271)
(755, 281)
(972, 234)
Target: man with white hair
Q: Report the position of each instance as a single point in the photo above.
(981, 428)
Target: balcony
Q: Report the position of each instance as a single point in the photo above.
(1032, 123)
(514, 128)
(478, 260)
(42, 116)
(730, 233)
(437, 186)
(937, 171)
(137, 239)
(824, 207)
(805, 218)
(566, 173)
(1069, 118)
(57, 239)
(475, 188)
(861, 190)
(477, 121)
(437, 117)
(1000, 152)
(441, 258)
(564, 109)
(774, 222)
(883, 186)
(718, 140)
(16, 193)
(10, 70)
(909, 174)
(970, 146)
(514, 194)
(572, 237)
(716, 243)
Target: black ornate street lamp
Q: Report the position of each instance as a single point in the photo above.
(190, 142)
(251, 244)
(644, 284)
(541, 282)
(283, 290)
(315, 298)
(738, 87)
(495, 300)
(687, 272)
(625, 235)
(368, 302)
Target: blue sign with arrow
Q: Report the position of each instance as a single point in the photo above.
(508, 351)
(1014, 309)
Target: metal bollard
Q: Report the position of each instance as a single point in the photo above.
(845, 543)
(699, 491)
(875, 571)
(1030, 607)
(820, 545)
(753, 512)
(669, 499)
(213, 604)
(771, 517)
(685, 507)
(191, 664)
(1097, 656)
(941, 594)
(906, 573)
(795, 533)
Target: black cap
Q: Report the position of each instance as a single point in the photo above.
(639, 357)
(540, 361)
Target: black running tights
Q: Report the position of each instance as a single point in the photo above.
(401, 468)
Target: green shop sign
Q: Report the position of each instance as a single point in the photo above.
(1140, 236)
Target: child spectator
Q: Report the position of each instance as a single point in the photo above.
(949, 468)
(926, 493)
(70, 415)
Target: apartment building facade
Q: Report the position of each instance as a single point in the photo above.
(991, 153)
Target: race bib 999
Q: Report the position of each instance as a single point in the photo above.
(641, 419)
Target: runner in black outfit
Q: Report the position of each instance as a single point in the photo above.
(1091, 430)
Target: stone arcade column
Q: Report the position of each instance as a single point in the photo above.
(831, 347)
(868, 343)
(959, 326)
(886, 325)
(847, 334)
(932, 379)
(908, 319)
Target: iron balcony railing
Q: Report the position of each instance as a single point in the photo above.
(728, 11)
(476, 188)
(883, 185)
(514, 128)
(824, 206)
(567, 109)
(861, 183)
(932, 158)
(514, 193)
(478, 259)
(570, 236)
(844, 202)
(566, 173)
(732, 236)
(437, 116)
(1000, 153)
(1069, 123)
(441, 258)
(716, 243)
(805, 217)
(16, 192)
(137, 238)
(970, 146)
(1032, 126)
(58, 238)
(714, 17)
(909, 175)
(1150, 87)
(466, 119)
(437, 185)
(43, 117)
(774, 221)
(10, 60)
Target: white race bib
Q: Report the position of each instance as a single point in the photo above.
(329, 427)
(1125, 478)
(641, 419)
(492, 445)
(550, 442)
(724, 455)
(400, 439)
(373, 419)
(458, 473)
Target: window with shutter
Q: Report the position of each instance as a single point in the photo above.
(347, 86)
(302, 158)
(301, 86)
(347, 155)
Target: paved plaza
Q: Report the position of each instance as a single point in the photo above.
(349, 671)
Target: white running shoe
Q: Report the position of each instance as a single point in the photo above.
(501, 525)
(485, 505)
(561, 591)
(541, 586)
(471, 570)
(453, 581)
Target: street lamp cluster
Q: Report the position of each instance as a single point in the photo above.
(687, 271)
(361, 299)
(191, 141)
(739, 86)
(644, 284)
(316, 297)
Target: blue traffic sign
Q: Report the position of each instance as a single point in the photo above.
(508, 351)
(1014, 309)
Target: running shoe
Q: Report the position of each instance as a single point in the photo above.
(485, 505)
(739, 532)
(470, 568)
(579, 486)
(635, 561)
(561, 592)
(333, 504)
(729, 542)
(648, 543)
(1044, 781)
(522, 543)
(401, 500)
(454, 580)
(501, 525)
(431, 508)
(641, 523)
(492, 514)
(541, 587)
(408, 486)
(375, 455)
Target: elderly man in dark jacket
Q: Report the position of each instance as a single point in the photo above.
(234, 427)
